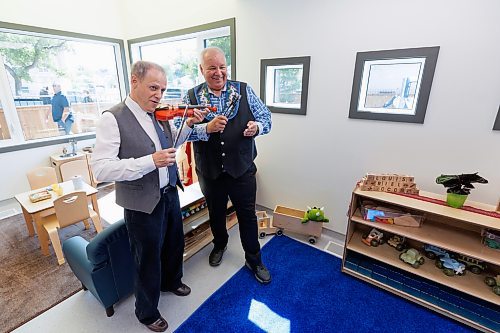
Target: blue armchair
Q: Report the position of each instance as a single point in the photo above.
(104, 266)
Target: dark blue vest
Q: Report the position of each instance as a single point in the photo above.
(228, 151)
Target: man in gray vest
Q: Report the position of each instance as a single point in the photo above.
(134, 151)
(224, 151)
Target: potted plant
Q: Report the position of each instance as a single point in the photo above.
(459, 187)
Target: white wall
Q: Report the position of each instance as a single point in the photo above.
(93, 17)
(317, 159)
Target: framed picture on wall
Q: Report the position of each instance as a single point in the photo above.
(393, 85)
(496, 126)
(284, 84)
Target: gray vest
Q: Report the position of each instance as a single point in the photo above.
(142, 194)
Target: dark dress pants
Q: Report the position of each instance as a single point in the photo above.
(242, 192)
(157, 244)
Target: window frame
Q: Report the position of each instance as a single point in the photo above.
(422, 55)
(266, 82)
(118, 44)
(199, 29)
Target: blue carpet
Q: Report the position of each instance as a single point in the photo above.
(309, 293)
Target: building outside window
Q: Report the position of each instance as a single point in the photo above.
(35, 64)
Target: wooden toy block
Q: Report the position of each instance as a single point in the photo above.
(265, 224)
(392, 183)
(290, 219)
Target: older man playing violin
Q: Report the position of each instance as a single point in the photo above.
(138, 154)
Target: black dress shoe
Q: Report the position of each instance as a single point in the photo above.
(183, 290)
(260, 272)
(160, 325)
(215, 257)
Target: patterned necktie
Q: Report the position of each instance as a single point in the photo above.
(172, 170)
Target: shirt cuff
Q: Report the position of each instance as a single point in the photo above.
(146, 164)
(261, 127)
(202, 134)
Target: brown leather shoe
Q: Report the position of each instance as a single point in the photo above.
(160, 325)
(183, 290)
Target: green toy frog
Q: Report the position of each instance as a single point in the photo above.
(314, 214)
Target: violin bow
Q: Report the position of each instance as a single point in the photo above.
(184, 116)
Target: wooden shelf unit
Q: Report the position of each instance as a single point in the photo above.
(199, 221)
(452, 229)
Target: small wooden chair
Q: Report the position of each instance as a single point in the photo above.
(70, 209)
(41, 177)
(76, 168)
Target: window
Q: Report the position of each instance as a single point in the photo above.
(54, 83)
(178, 52)
(284, 84)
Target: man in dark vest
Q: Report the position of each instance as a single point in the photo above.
(224, 151)
(134, 151)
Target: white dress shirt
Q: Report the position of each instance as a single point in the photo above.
(106, 165)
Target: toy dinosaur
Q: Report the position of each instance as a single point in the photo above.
(314, 214)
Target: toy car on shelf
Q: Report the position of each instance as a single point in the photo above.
(472, 264)
(412, 257)
(265, 224)
(398, 242)
(450, 266)
(433, 252)
(494, 283)
(491, 238)
(374, 238)
(494, 244)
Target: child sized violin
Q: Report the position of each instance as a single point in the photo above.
(166, 112)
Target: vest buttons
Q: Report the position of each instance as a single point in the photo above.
(222, 143)
(223, 154)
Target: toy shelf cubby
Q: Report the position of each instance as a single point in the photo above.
(464, 298)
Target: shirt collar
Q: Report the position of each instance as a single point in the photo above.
(211, 91)
(135, 108)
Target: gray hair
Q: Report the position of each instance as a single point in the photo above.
(141, 67)
(211, 48)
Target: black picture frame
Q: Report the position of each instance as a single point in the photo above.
(267, 86)
(377, 94)
(496, 125)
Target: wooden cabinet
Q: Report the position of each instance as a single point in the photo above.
(464, 298)
(197, 233)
